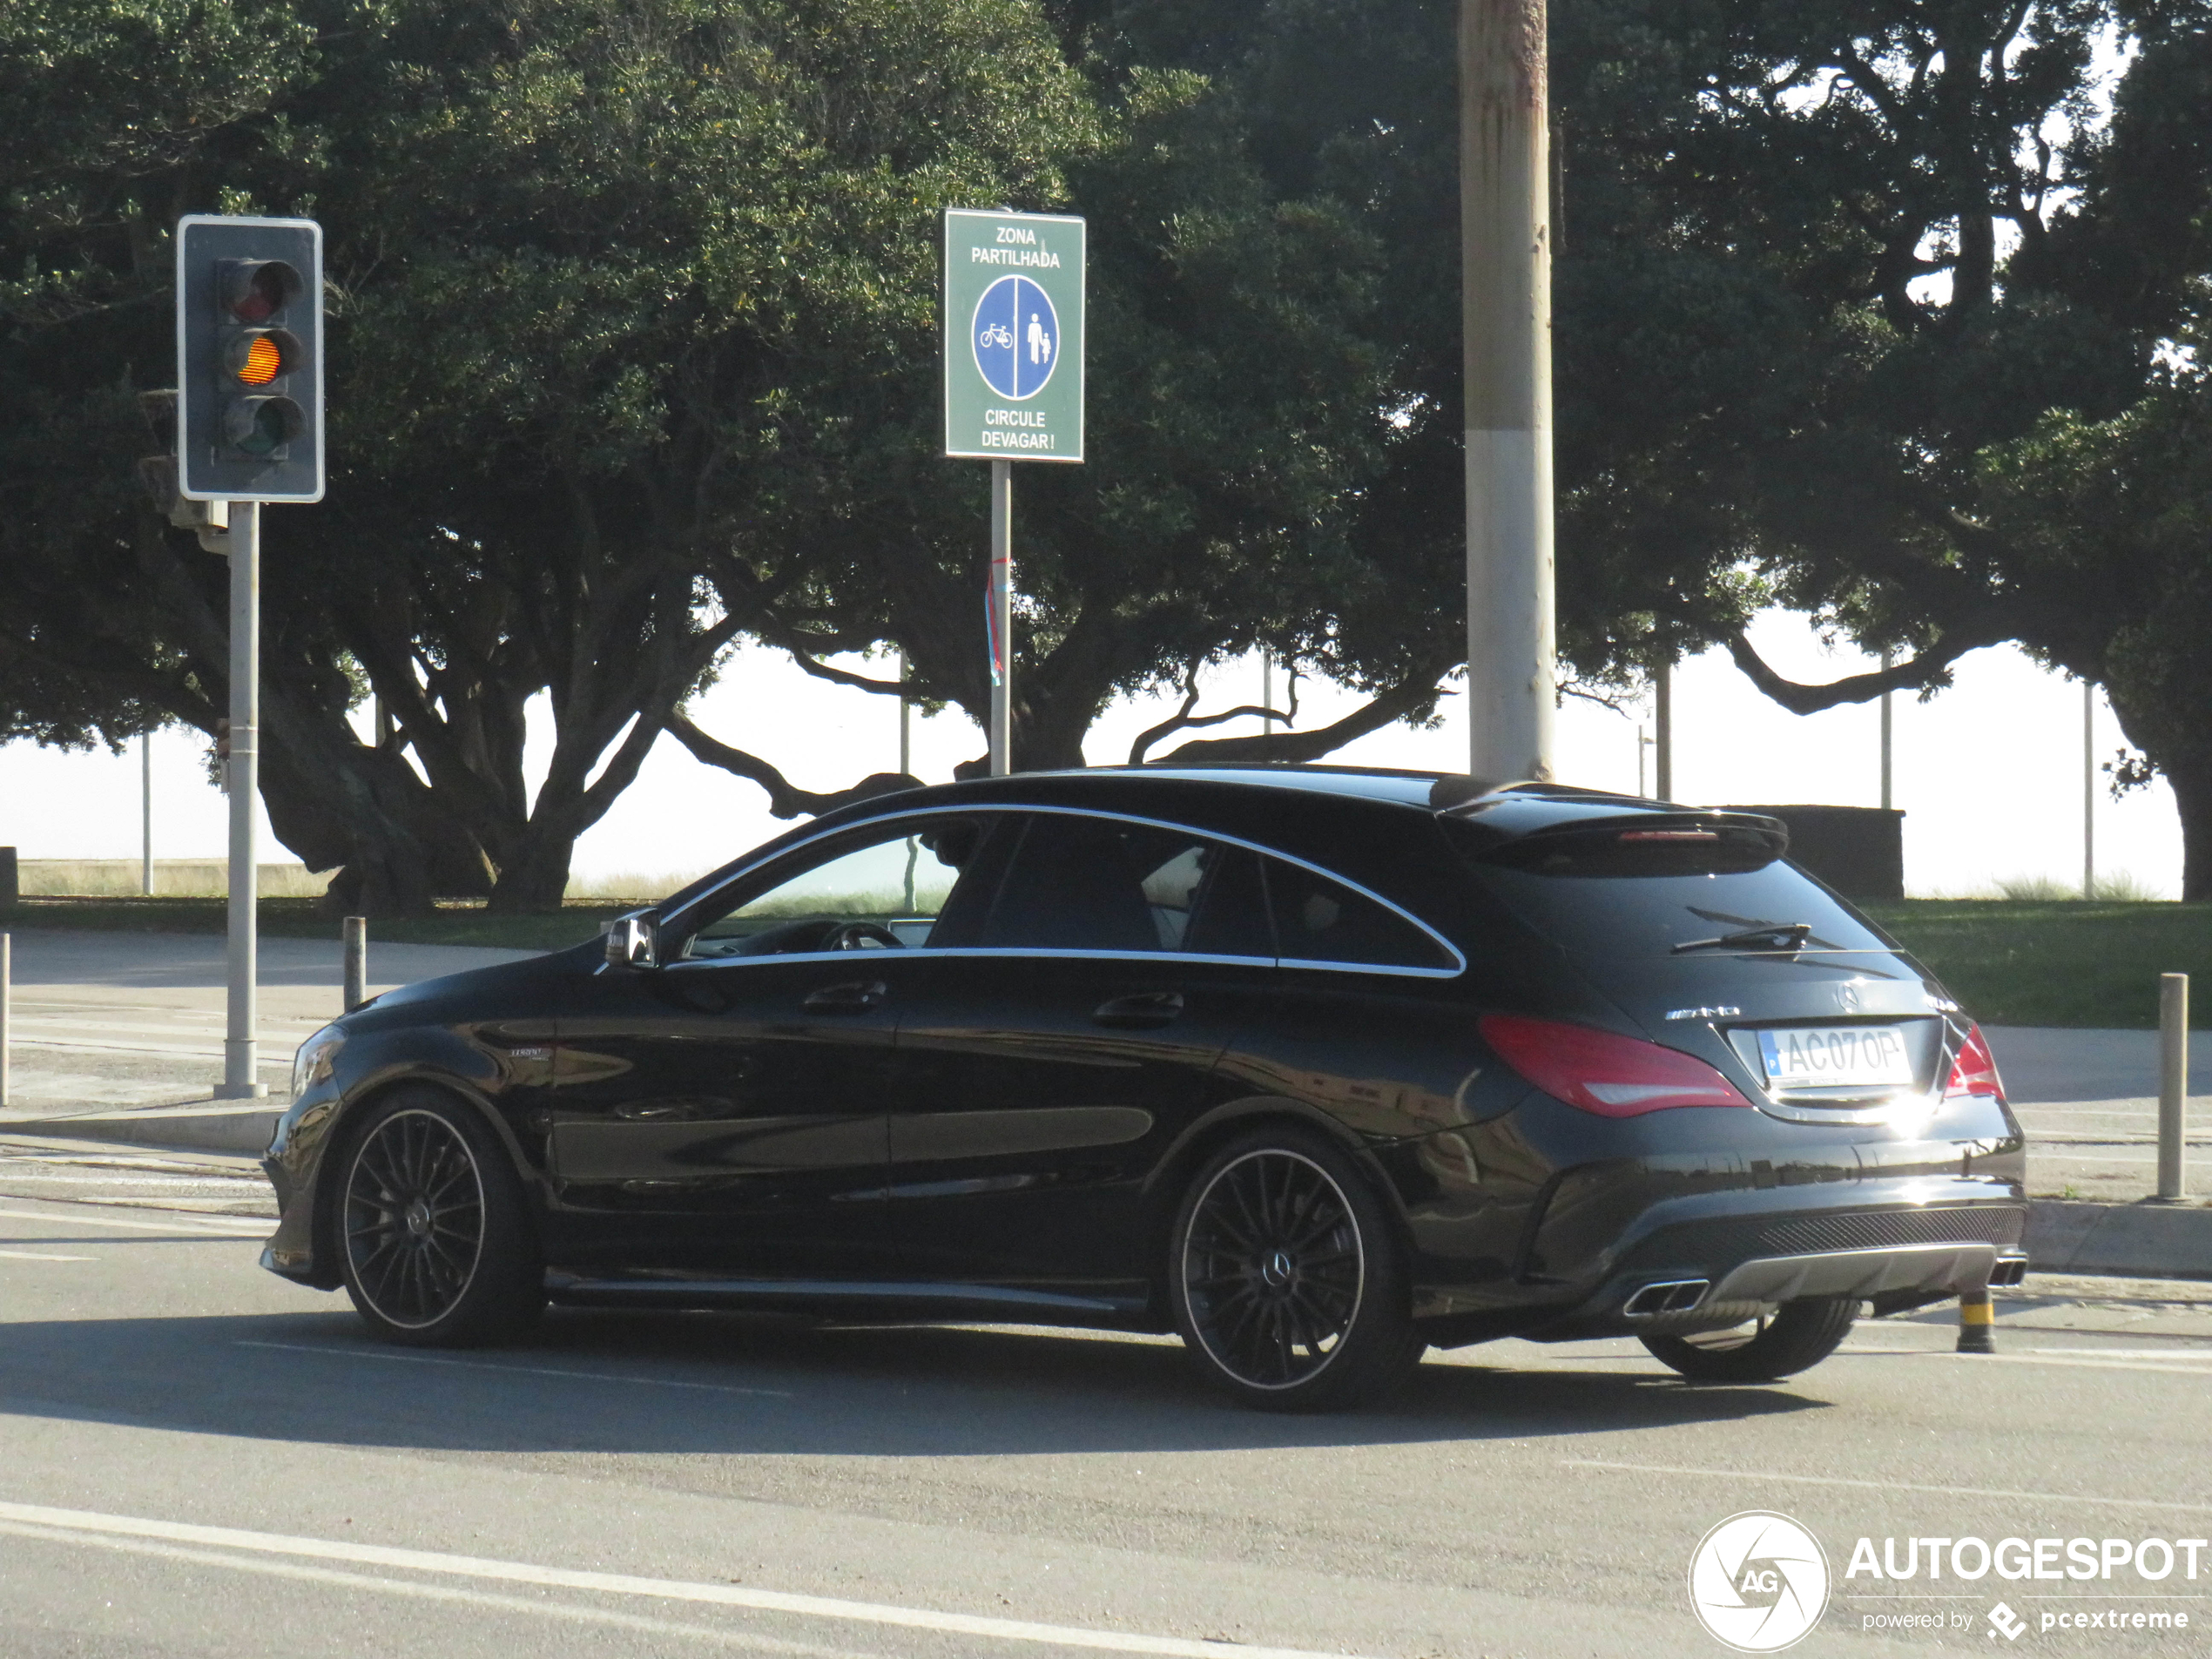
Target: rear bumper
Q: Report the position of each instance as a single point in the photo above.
(1706, 1275)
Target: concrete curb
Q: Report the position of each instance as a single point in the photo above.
(2145, 1240)
(200, 1128)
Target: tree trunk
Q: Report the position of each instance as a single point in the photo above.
(2174, 738)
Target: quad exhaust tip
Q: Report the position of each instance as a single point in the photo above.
(1671, 1296)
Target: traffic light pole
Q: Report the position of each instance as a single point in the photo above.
(1001, 601)
(242, 1057)
(1505, 239)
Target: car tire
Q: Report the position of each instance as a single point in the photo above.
(1286, 1277)
(433, 1240)
(1796, 1336)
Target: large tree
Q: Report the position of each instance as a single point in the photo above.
(618, 292)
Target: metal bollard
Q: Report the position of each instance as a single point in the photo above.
(6, 991)
(2172, 1084)
(356, 937)
(1977, 1321)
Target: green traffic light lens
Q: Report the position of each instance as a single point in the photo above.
(259, 426)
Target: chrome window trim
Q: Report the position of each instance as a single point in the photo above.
(1399, 970)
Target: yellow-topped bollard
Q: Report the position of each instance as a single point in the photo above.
(1977, 1322)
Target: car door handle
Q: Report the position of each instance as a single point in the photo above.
(854, 997)
(1143, 1012)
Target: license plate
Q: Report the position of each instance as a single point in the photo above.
(1835, 1056)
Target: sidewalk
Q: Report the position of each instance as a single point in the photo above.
(2089, 1100)
(120, 1035)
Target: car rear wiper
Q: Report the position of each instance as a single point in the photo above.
(1773, 935)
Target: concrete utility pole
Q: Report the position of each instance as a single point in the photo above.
(1001, 601)
(241, 1058)
(1662, 721)
(1505, 243)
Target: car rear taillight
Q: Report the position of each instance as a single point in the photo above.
(1614, 1076)
(1974, 1070)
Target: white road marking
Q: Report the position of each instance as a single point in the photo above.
(184, 1222)
(96, 1178)
(39, 1256)
(519, 1370)
(2107, 1359)
(1882, 1485)
(2145, 1354)
(2150, 1363)
(443, 1593)
(818, 1607)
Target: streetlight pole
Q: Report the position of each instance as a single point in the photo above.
(2088, 789)
(1889, 661)
(1505, 242)
(145, 814)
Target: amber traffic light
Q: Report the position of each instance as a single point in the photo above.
(249, 371)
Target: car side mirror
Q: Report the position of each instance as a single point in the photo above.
(632, 943)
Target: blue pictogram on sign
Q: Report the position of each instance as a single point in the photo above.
(1016, 336)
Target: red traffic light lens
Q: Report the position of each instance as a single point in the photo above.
(255, 290)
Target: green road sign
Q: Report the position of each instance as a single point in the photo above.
(1013, 336)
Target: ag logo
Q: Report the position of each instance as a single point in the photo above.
(1758, 1581)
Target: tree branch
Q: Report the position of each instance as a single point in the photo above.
(1411, 697)
(1927, 669)
(1184, 719)
(785, 800)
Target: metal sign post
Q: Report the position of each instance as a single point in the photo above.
(1013, 386)
(249, 430)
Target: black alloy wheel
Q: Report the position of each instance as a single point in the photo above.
(436, 1249)
(1287, 1281)
(1793, 1338)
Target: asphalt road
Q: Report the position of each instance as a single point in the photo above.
(197, 1458)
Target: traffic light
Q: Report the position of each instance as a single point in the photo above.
(249, 359)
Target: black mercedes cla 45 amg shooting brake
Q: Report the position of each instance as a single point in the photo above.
(1317, 1066)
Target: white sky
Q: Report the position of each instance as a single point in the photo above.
(1989, 774)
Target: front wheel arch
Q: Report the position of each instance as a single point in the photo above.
(344, 1131)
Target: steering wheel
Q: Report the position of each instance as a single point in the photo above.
(859, 935)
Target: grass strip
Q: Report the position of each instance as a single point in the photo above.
(2062, 964)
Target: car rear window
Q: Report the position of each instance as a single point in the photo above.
(1596, 906)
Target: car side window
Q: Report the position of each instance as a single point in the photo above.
(880, 891)
(1082, 883)
(1320, 920)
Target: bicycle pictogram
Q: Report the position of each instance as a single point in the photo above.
(997, 335)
